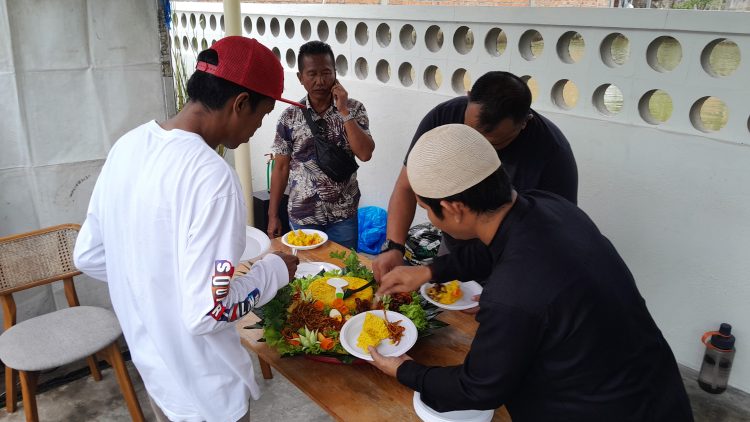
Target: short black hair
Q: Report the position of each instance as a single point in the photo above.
(214, 92)
(501, 95)
(485, 197)
(313, 48)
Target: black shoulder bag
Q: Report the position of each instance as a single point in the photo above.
(335, 162)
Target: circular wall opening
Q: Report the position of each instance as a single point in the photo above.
(615, 49)
(192, 20)
(608, 99)
(247, 24)
(461, 81)
(383, 71)
(341, 34)
(406, 74)
(342, 65)
(709, 114)
(221, 23)
(433, 38)
(463, 39)
(721, 57)
(383, 35)
(655, 106)
(360, 68)
(496, 42)
(277, 53)
(361, 33)
(260, 25)
(531, 44)
(408, 37)
(202, 21)
(433, 77)
(533, 86)
(275, 27)
(289, 28)
(212, 22)
(323, 30)
(305, 29)
(570, 47)
(565, 94)
(291, 58)
(664, 54)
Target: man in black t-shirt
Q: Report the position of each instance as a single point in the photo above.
(534, 152)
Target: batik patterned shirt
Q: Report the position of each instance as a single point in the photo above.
(313, 197)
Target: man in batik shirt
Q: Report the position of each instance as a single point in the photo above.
(316, 201)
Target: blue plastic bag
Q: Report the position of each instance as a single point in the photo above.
(372, 222)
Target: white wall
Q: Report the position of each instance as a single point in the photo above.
(74, 76)
(674, 200)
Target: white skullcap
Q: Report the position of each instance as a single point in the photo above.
(448, 160)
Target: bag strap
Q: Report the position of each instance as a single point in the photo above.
(310, 122)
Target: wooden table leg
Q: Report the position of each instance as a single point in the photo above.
(265, 368)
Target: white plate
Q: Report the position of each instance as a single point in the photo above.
(305, 269)
(469, 289)
(307, 231)
(351, 329)
(428, 414)
(256, 243)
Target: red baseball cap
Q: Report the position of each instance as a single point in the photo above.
(250, 64)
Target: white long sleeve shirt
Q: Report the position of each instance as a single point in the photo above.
(165, 228)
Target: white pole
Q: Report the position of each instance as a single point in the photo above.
(232, 22)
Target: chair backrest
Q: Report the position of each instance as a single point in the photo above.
(38, 257)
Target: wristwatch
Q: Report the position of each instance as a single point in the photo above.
(389, 244)
(350, 116)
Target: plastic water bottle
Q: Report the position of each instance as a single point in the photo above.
(717, 361)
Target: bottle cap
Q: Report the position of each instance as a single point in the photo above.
(724, 340)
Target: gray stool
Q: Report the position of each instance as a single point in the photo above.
(57, 338)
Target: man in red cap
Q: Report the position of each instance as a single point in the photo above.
(166, 228)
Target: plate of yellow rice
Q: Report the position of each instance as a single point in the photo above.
(304, 239)
(454, 295)
(368, 328)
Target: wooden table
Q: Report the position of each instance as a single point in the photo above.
(361, 392)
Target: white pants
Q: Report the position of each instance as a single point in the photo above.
(161, 417)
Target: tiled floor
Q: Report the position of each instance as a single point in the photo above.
(87, 400)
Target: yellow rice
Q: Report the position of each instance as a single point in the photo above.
(373, 331)
(326, 293)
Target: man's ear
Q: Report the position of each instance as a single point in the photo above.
(241, 101)
(454, 210)
(299, 77)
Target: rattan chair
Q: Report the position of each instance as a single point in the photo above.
(60, 337)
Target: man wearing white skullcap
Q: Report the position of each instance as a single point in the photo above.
(563, 332)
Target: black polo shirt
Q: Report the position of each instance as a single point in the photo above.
(539, 158)
(564, 334)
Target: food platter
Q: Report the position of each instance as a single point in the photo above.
(352, 329)
(468, 290)
(323, 237)
(307, 317)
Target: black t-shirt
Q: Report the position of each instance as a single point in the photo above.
(539, 158)
(564, 334)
